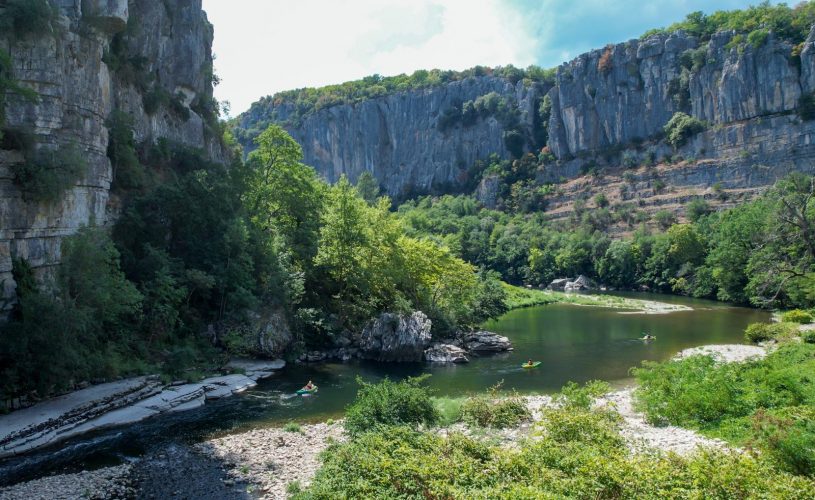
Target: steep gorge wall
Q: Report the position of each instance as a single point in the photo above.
(397, 137)
(170, 40)
(605, 104)
(748, 96)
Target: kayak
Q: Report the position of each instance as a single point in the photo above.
(648, 338)
(307, 391)
(533, 365)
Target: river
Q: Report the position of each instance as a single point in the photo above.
(574, 343)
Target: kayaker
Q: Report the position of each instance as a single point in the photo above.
(309, 386)
(529, 363)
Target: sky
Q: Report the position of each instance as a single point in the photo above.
(265, 46)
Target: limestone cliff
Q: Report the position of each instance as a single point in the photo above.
(608, 109)
(161, 48)
(399, 137)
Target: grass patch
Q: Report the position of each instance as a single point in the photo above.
(518, 297)
(767, 404)
(293, 427)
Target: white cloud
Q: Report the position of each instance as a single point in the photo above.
(266, 46)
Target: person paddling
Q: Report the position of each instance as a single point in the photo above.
(309, 386)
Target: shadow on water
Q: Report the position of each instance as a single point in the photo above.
(573, 343)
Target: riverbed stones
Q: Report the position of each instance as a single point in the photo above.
(483, 341)
(445, 353)
(105, 483)
(271, 459)
(396, 337)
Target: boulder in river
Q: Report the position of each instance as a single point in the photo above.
(484, 341)
(559, 284)
(445, 353)
(396, 337)
(581, 283)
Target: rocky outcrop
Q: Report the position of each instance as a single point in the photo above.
(270, 335)
(445, 353)
(483, 341)
(163, 49)
(396, 337)
(397, 137)
(118, 403)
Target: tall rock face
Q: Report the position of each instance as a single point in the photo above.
(399, 137)
(626, 93)
(605, 106)
(162, 48)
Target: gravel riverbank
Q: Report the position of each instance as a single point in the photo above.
(273, 458)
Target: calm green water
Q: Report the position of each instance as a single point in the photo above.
(572, 342)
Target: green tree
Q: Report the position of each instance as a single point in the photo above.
(284, 196)
(368, 187)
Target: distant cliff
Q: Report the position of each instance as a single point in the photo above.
(412, 140)
(151, 60)
(605, 112)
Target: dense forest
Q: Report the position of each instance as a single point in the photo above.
(759, 253)
(202, 245)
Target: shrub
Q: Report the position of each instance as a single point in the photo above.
(81, 331)
(490, 410)
(46, 174)
(760, 332)
(514, 142)
(697, 208)
(601, 200)
(388, 403)
(726, 399)
(681, 127)
(797, 316)
(629, 159)
(574, 396)
(27, 17)
(806, 106)
(808, 336)
(665, 219)
(128, 172)
(789, 439)
(758, 37)
(293, 427)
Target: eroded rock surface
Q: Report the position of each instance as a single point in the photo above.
(396, 337)
(118, 403)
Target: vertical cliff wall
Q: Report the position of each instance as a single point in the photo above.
(399, 138)
(161, 48)
(606, 114)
